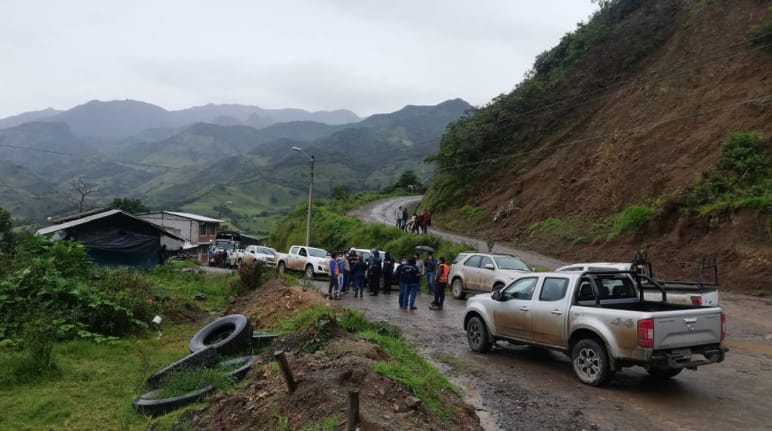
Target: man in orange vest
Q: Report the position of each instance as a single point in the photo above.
(441, 276)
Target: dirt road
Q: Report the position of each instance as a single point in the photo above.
(521, 388)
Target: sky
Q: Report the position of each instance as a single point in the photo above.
(368, 56)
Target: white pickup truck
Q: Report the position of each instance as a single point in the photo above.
(311, 261)
(601, 320)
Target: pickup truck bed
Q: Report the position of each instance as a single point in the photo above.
(601, 320)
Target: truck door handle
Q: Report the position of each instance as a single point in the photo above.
(558, 312)
(524, 308)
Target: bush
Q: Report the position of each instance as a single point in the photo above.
(743, 178)
(58, 276)
(250, 278)
(761, 36)
(631, 218)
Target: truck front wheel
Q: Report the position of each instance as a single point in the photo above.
(477, 335)
(281, 268)
(590, 362)
(309, 271)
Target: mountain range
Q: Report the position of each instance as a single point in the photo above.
(199, 158)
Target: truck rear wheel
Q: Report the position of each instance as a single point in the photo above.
(590, 362)
(457, 287)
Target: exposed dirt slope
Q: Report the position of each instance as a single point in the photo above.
(646, 139)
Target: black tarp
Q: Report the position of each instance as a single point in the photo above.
(118, 247)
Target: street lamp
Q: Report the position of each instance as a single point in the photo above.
(310, 190)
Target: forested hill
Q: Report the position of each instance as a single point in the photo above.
(647, 127)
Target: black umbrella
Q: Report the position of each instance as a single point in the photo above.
(425, 248)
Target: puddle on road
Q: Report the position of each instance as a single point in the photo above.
(487, 419)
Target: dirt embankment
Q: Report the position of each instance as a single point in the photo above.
(340, 362)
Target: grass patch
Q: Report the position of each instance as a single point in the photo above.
(474, 214)
(190, 380)
(631, 218)
(760, 292)
(330, 423)
(175, 284)
(94, 386)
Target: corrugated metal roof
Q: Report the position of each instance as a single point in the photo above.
(77, 222)
(88, 219)
(195, 217)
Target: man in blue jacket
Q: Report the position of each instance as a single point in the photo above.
(410, 282)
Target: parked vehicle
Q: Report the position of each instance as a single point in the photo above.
(483, 272)
(224, 251)
(309, 260)
(259, 253)
(678, 292)
(601, 320)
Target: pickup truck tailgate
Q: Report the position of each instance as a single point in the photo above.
(685, 328)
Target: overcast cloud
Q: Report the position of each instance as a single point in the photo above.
(368, 56)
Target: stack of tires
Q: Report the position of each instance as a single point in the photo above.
(225, 336)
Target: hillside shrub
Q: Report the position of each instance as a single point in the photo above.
(761, 36)
(250, 278)
(631, 218)
(742, 178)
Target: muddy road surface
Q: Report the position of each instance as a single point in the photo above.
(522, 388)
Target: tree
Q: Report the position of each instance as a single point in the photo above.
(408, 179)
(131, 206)
(7, 238)
(340, 193)
(82, 189)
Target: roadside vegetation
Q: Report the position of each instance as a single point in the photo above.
(334, 231)
(77, 343)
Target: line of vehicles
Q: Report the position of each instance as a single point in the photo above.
(604, 315)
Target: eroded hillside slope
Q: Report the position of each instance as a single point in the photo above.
(621, 131)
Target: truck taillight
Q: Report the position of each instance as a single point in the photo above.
(723, 326)
(646, 333)
(696, 299)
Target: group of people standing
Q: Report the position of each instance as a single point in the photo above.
(353, 272)
(417, 223)
(350, 271)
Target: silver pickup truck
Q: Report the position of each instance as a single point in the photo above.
(601, 320)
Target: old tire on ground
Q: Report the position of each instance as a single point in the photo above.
(202, 358)
(309, 272)
(149, 405)
(477, 335)
(457, 288)
(242, 364)
(228, 334)
(590, 362)
(664, 374)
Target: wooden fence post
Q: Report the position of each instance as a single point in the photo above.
(353, 409)
(285, 369)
